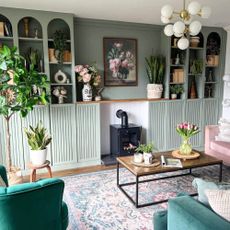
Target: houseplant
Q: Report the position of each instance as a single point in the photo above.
(155, 71)
(38, 139)
(176, 90)
(147, 150)
(196, 66)
(16, 93)
(88, 74)
(59, 44)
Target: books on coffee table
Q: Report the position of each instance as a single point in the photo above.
(171, 162)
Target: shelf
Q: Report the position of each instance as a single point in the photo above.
(51, 40)
(56, 84)
(30, 39)
(6, 38)
(210, 82)
(176, 83)
(211, 66)
(196, 48)
(63, 63)
(173, 65)
(192, 74)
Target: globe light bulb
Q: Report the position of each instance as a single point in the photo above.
(167, 11)
(194, 8)
(168, 30)
(205, 12)
(183, 43)
(165, 20)
(179, 27)
(194, 28)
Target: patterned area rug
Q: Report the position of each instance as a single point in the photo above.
(95, 202)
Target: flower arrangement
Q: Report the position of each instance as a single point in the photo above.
(121, 61)
(88, 74)
(187, 130)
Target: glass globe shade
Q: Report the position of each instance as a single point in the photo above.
(165, 20)
(178, 35)
(194, 8)
(206, 12)
(168, 30)
(179, 27)
(194, 28)
(167, 11)
(183, 43)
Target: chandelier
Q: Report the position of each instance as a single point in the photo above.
(184, 27)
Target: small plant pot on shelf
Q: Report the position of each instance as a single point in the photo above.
(38, 157)
(154, 91)
(194, 41)
(173, 96)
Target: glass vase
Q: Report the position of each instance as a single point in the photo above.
(185, 147)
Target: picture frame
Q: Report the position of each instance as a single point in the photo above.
(120, 61)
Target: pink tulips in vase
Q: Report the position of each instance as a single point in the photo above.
(186, 130)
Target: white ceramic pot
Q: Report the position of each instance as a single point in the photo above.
(38, 157)
(173, 96)
(154, 91)
(148, 158)
(138, 157)
(87, 94)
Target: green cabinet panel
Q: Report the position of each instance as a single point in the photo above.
(63, 134)
(157, 125)
(88, 132)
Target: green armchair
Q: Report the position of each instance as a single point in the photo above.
(36, 206)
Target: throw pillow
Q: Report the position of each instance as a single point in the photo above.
(219, 201)
(2, 182)
(202, 185)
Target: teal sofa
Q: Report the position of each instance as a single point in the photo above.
(186, 213)
(36, 205)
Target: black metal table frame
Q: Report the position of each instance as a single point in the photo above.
(137, 182)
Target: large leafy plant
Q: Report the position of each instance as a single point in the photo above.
(155, 69)
(16, 90)
(37, 137)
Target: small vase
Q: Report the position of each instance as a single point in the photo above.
(87, 94)
(186, 147)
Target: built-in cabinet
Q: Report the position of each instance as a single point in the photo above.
(75, 127)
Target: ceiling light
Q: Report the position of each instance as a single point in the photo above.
(185, 26)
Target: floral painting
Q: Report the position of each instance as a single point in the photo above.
(120, 61)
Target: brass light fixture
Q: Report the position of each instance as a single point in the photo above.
(185, 26)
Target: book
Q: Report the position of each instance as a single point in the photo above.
(2, 29)
(171, 162)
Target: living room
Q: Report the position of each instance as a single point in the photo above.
(103, 82)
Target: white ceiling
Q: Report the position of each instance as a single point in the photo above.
(142, 11)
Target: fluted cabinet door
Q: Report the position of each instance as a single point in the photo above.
(157, 127)
(175, 115)
(193, 115)
(39, 114)
(63, 133)
(88, 132)
(2, 141)
(210, 112)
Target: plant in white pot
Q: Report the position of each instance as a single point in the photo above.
(147, 150)
(38, 139)
(155, 71)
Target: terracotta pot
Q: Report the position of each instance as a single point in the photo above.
(15, 176)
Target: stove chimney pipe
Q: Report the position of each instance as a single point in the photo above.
(124, 118)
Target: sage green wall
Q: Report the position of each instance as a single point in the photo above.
(89, 35)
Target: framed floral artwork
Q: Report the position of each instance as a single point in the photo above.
(120, 61)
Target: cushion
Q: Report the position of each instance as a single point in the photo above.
(222, 147)
(202, 185)
(2, 182)
(219, 201)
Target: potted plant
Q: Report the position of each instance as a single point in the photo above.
(16, 94)
(38, 139)
(155, 71)
(59, 44)
(147, 150)
(176, 90)
(196, 66)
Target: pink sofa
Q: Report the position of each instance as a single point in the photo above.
(218, 149)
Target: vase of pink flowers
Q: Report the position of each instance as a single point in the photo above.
(186, 130)
(88, 74)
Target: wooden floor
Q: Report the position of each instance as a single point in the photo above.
(71, 172)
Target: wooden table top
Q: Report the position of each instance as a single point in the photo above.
(203, 160)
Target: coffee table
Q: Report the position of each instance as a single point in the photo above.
(138, 172)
